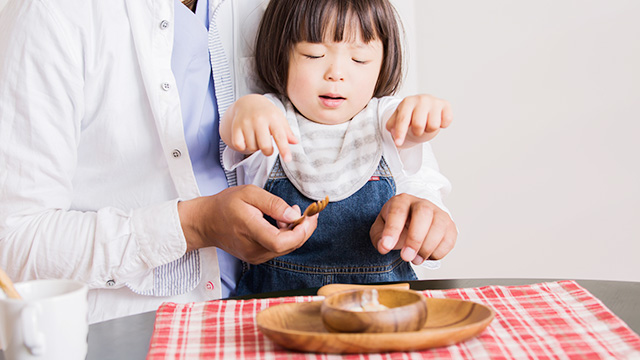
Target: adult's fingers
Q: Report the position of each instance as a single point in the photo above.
(375, 234)
(269, 204)
(446, 244)
(431, 240)
(417, 231)
(283, 224)
(274, 240)
(283, 241)
(419, 226)
(393, 217)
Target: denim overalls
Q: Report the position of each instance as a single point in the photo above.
(340, 249)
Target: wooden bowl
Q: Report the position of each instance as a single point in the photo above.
(299, 326)
(406, 311)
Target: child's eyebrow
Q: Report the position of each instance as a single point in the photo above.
(360, 45)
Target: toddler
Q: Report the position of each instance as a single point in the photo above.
(330, 67)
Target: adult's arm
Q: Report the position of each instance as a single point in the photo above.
(42, 118)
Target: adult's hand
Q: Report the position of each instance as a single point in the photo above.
(417, 226)
(233, 221)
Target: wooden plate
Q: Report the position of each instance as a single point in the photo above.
(298, 326)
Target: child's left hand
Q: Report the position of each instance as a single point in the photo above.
(249, 124)
(423, 114)
(418, 227)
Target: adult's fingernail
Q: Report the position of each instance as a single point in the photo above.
(290, 214)
(408, 254)
(418, 260)
(387, 242)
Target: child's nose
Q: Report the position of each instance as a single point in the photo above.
(334, 73)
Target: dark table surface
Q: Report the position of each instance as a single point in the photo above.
(128, 337)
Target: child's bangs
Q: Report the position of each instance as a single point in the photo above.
(335, 20)
(288, 22)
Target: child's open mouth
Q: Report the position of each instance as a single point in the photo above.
(332, 100)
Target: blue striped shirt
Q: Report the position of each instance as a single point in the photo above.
(191, 65)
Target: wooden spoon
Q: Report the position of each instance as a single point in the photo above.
(311, 210)
(7, 285)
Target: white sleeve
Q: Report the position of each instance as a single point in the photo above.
(427, 182)
(41, 110)
(415, 170)
(253, 169)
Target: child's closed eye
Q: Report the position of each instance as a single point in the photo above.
(309, 56)
(361, 61)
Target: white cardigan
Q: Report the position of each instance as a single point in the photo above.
(78, 77)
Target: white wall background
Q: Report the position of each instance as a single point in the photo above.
(544, 150)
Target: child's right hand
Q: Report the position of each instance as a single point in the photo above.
(248, 125)
(418, 119)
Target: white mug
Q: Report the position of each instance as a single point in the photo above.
(49, 322)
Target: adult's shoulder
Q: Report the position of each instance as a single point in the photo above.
(50, 26)
(66, 18)
(77, 12)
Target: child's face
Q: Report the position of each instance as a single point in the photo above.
(331, 82)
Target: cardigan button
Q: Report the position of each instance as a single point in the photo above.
(176, 153)
(164, 24)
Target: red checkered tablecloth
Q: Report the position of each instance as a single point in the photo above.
(555, 320)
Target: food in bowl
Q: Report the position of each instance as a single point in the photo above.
(392, 310)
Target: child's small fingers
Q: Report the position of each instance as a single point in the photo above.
(263, 139)
(391, 123)
(237, 139)
(434, 120)
(447, 115)
(282, 143)
(291, 137)
(250, 140)
(419, 119)
(403, 119)
(440, 116)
